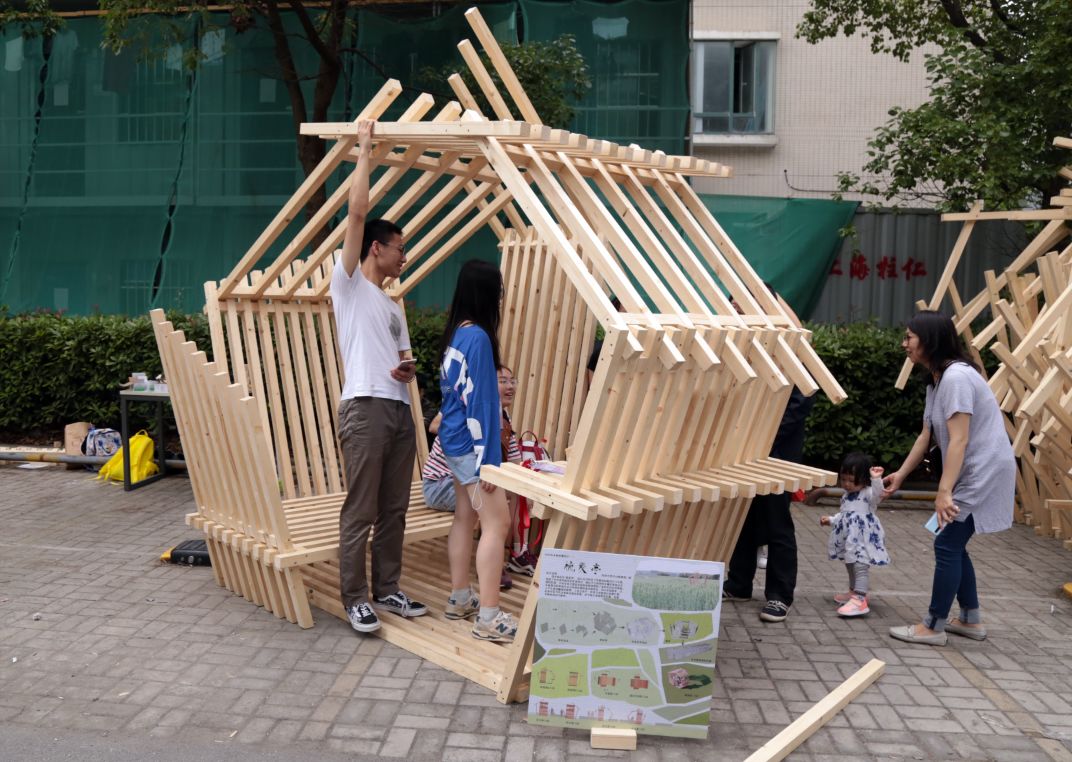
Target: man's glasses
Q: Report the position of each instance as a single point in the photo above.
(401, 247)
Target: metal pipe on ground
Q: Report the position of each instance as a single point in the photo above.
(82, 460)
(902, 494)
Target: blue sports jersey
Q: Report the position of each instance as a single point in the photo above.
(470, 385)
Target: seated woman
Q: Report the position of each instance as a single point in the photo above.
(436, 479)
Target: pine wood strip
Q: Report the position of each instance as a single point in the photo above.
(555, 357)
(273, 400)
(557, 200)
(515, 263)
(379, 103)
(302, 380)
(277, 272)
(565, 357)
(205, 413)
(162, 328)
(248, 324)
(327, 425)
(215, 322)
(804, 726)
(483, 79)
(502, 66)
(575, 381)
(630, 420)
(553, 236)
(526, 372)
(463, 234)
(300, 466)
(655, 424)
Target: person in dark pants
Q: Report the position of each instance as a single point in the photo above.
(769, 523)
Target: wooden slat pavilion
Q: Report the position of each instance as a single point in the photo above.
(662, 453)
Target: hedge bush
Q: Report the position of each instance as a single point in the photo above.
(56, 369)
(876, 418)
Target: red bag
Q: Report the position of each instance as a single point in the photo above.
(532, 449)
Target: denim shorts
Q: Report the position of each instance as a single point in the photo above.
(439, 493)
(464, 467)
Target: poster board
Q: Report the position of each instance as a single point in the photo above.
(625, 642)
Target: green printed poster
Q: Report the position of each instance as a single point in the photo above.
(625, 642)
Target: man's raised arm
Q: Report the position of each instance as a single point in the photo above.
(358, 204)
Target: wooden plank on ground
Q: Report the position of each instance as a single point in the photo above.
(804, 726)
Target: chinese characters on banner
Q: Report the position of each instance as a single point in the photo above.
(885, 268)
(625, 642)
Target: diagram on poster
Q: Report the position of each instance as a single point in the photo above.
(625, 641)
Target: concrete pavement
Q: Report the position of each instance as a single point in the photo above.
(133, 659)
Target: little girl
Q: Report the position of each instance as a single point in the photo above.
(857, 537)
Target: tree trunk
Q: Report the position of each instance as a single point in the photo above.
(311, 149)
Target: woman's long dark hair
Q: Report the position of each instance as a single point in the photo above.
(939, 340)
(476, 299)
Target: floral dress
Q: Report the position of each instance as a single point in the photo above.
(856, 534)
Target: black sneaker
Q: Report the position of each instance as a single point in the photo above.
(363, 618)
(731, 598)
(399, 603)
(774, 611)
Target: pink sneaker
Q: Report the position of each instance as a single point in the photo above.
(841, 598)
(856, 606)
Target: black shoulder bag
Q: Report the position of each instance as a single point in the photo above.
(932, 461)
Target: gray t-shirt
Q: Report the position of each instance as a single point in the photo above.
(987, 482)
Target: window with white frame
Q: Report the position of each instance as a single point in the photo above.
(733, 87)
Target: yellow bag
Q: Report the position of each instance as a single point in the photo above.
(142, 464)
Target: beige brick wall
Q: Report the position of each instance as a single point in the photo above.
(829, 98)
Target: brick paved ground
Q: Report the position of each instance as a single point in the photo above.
(128, 651)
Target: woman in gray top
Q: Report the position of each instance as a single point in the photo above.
(975, 493)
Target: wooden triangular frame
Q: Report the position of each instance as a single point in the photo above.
(1029, 305)
(662, 449)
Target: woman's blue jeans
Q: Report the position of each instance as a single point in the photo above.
(954, 575)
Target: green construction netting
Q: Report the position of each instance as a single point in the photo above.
(404, 49)
(791, 242)
(125, 184)
(638, 53)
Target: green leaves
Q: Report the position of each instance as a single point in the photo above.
(999, 94)
(554, 75)
(34, 18)
(56, 369)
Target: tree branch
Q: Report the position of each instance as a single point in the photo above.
(310, 30)
(286, 64)
(330, 65)
(956, 16)
(1003, 17)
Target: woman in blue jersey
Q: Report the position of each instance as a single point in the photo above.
(470, 436)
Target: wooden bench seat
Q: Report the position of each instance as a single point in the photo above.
(314, 526)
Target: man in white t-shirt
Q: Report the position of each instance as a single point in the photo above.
(375, 425)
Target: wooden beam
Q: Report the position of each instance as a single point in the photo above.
(804, 726)
(379, 103)
(502, 66)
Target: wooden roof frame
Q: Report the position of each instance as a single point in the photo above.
(661, 452)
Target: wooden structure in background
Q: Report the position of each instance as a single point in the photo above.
(661, 455)
(1028, 307)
